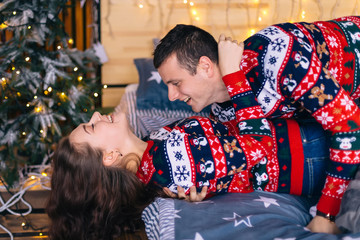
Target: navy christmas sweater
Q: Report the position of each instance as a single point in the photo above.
(312, 66)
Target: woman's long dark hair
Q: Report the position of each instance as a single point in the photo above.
(89, 200)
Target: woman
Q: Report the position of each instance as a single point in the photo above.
(99, 170)
(90, 200)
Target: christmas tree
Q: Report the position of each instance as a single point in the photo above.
(47, 87)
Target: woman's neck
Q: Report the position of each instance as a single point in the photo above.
(139, 146)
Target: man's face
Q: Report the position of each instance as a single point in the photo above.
(196, 90)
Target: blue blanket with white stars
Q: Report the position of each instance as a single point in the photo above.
(256, 215)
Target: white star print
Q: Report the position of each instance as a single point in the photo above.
(155, 76)
(202, 202)
(351, 238)
(198, 236)
(236, 218)
(176, 213)
(267, 201)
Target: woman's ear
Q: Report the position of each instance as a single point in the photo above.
(109, 158)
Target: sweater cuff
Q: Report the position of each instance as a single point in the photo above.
(329, 205)
(239, 79)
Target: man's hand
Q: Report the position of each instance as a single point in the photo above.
(322, 225)
(230, 54)
(192, 197)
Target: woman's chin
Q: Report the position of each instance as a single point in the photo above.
(118, 117)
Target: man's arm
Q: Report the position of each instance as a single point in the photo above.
(250, 118)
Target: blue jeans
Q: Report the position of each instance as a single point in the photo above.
(316, 156)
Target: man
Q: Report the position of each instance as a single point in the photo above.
(290, 68)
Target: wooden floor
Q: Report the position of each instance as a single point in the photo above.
(31, 226)
(35, 225)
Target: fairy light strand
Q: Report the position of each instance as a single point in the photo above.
(333, 10)
(320, 17)
(41, 180)
(298, 11)
(227, 18)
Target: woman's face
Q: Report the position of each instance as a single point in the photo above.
(106, 132)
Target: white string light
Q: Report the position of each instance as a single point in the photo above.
(298, 11)
(194, 18)
(7, 231)
(31, 177)
(41, 180)
(320, 10)
(227, 18)
(333, 10)
(355, 9)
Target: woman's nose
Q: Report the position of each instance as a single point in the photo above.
(95, 117)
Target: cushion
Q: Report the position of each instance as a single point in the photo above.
(144, 121)
(152, 92)
(256, 215)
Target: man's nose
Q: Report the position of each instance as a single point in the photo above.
(173, 93)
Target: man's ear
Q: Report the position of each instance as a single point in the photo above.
(206, 65)
(110, 157)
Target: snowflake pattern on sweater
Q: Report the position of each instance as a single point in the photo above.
(202, 152)
(199, 152)
(312, 66)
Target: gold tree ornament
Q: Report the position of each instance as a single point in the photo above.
(62, 96)
(3, 25)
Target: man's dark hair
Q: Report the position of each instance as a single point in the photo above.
(189, 43)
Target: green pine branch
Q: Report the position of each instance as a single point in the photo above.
(46, 86)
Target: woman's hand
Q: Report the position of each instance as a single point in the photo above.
(230, 54)
(322, 225)
(194, 196)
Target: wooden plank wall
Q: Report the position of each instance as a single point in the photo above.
(78, 22)
(127, 30)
